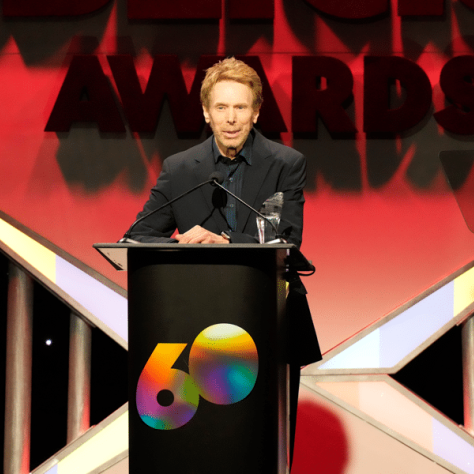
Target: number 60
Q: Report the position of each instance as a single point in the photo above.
(223, 368)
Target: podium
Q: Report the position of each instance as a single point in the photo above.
(208, 380)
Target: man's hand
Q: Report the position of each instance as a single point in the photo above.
(199, 235)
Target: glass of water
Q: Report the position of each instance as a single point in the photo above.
(271, 209)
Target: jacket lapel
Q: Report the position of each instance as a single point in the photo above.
(254, 179)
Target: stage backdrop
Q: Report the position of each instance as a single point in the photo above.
(95, 95)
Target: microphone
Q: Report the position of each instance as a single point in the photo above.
(212, 179)
(217, 180)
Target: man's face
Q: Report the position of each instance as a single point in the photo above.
(231, 115)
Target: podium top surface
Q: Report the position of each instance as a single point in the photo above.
(116, 253)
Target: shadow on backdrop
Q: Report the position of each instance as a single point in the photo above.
(457, 166)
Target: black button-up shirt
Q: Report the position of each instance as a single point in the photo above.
(234, 171)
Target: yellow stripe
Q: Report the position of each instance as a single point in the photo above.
(463, 291)
(105, 445)
(38, 256)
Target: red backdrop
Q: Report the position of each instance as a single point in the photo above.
(381, 223)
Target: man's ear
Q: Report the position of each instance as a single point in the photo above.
(256, 113)
(206, 114)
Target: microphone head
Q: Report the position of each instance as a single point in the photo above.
(217, 177)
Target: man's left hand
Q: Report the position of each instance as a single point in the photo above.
(199, 235)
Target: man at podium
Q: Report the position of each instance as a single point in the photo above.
(253, 168)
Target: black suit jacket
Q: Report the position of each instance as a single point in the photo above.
(274, 168)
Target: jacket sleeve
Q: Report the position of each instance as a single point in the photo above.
(157, 227)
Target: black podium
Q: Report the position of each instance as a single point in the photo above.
(208, 383)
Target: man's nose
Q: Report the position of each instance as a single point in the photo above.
(231, 115)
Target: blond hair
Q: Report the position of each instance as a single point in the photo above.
(231, 69)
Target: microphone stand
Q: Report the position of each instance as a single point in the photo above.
(279, 238)
(215, 180)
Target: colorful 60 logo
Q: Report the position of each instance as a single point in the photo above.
(223, 368)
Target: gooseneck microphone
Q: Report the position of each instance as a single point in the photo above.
(127, 234)
(217, 179)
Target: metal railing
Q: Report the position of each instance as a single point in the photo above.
(19, 374)
(468, 373)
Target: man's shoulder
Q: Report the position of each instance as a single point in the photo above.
(275, 149)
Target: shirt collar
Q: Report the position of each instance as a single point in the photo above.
(245, 153)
